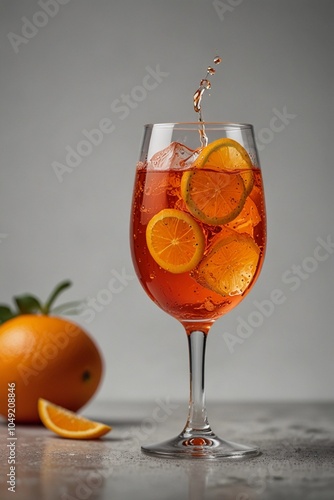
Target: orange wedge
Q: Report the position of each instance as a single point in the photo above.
(213, 197)
(248, 218)
(227, 154)
(67, 424)
(230, 265)
(175, 240)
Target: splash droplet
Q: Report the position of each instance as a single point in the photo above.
(205, 84)
(197, 99)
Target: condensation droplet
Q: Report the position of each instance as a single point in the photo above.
(217, 60)
(143, 209)
(211, 71)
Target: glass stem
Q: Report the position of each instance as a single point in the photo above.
(197, 416)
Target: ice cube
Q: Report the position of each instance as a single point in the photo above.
(175, 156)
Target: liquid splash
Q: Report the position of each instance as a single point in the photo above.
(204, 85)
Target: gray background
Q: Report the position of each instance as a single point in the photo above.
(277, 55)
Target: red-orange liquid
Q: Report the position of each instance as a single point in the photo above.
(180, 295)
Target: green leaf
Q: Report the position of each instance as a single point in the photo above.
(27, 304)
(59, 288)
(5, 314)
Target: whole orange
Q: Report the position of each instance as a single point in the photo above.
(46, 357)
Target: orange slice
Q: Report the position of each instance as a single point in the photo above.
(67, 424)
(230, 265)
(175, 240)
(213, 197)
(227, 154)
(248, 218)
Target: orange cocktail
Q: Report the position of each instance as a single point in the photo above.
(198, 228)
(198, 235)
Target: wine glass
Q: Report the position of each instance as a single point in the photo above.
(198, 235)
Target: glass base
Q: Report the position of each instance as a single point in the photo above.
(200, 446)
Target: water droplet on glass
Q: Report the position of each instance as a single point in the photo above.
(211, 71)
(217, 60)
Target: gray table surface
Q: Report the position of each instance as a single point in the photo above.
(296, 440)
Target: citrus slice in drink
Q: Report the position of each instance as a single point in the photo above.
(248, 218)
(230, 264)
(227, 154)
(175, 240)
(213, 197)
(67, 424)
